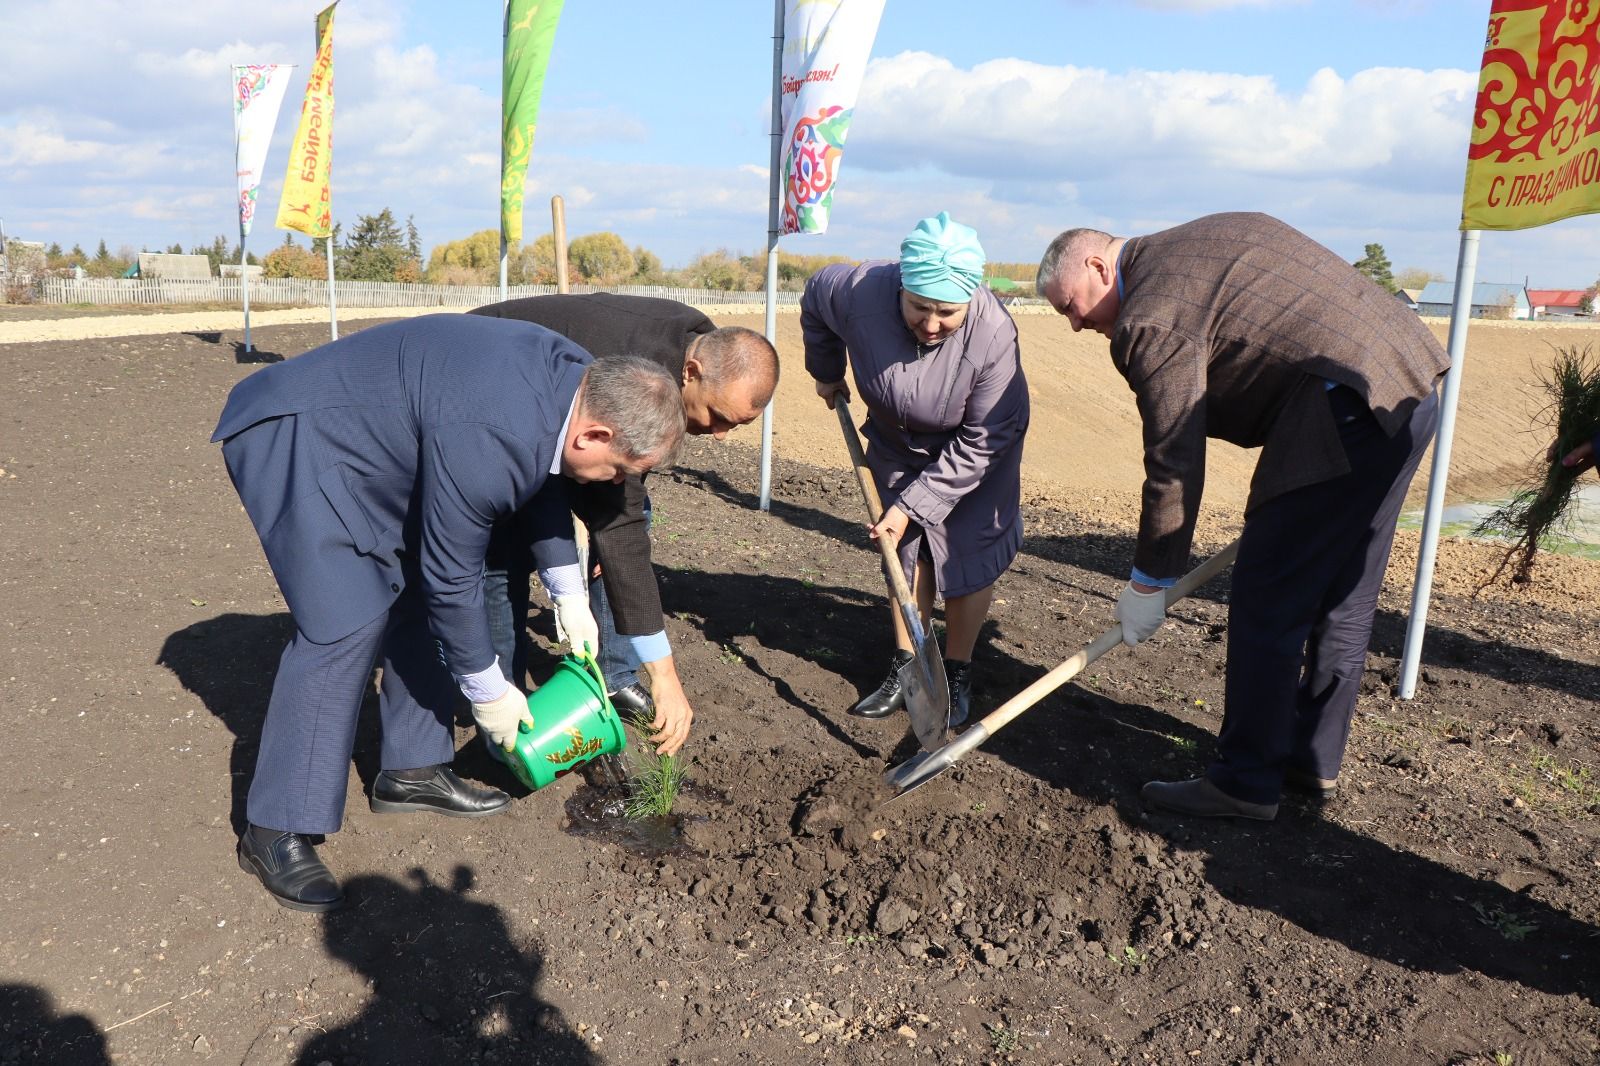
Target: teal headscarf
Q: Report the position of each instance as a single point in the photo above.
(942, 260)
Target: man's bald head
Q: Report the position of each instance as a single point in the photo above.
(729, 375)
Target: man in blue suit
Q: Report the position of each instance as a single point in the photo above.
(373, 469)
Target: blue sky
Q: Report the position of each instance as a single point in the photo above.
(1348, 119)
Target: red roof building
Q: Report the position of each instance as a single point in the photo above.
(1555, 303)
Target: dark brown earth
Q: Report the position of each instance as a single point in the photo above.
(1442, 909)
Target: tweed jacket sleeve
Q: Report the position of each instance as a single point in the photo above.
(1167, 373)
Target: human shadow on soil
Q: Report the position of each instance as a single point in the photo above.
(229, 662)
(32, 1031)
(449, 981)
(1376, 899)
(241, 355)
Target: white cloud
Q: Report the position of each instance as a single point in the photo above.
(1013, 119)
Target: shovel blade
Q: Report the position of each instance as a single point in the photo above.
(927, 694)
(916, 771)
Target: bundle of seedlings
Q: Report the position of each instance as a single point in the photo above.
(654, 780)
(1543, 504)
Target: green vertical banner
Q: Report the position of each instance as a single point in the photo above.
(530, 31)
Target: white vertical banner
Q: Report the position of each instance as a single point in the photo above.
(826, 44)
(257, 95)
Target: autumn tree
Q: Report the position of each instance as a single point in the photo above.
(1416, 278)
(289, 260)
(472, 260)
(601, 258)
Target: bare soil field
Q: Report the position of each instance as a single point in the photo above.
(1022, 908)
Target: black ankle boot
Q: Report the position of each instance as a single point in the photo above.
(959, 674)
(887, 697)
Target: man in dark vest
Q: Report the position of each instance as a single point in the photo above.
(727, 376)
(1238, 327)
(373, 469)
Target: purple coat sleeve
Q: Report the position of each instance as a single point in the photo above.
(822, 313)
(994, 420)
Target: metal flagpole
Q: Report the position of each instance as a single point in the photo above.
(333, 307)
(505, 34)
(244, 286)
(1422, 589)
(774, 188)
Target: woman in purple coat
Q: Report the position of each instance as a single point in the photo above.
(935, 360)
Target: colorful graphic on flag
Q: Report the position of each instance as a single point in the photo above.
(307, 203)
(257, 94)
(530, 31)
(1535, 152)
(825, 48)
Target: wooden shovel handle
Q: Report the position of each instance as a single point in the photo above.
(1065, 672)
(869, 493)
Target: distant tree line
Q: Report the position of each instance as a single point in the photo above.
(380, 249)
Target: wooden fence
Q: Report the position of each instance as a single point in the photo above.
(299, 292)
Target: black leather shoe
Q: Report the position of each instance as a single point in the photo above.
(633, 702)
(443, 793)
(887, 697)
(959, 675)
(288, 867)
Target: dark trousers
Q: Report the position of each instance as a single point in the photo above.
(1305, 589)
(304, 762)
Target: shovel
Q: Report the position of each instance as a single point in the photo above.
(920, 769)
(922, 679)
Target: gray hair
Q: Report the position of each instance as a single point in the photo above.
(734, 353)
(639, 402)
(1066, 254)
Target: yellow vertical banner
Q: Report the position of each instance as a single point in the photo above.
(1535, 151)
(307, 203)
(530, 31)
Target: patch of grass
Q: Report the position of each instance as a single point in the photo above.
(979, 807)
(1183, 745)
(1383, 725)
(1003, 1038)
(1503, 1058)
(730, 655)
(1511, 926)
(1565, 790)
(1575, 780)
(1132, 958)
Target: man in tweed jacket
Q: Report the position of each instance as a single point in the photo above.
(1238, 327)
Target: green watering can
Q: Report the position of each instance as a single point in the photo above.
(573, 722)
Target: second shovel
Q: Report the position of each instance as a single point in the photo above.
(922, 679)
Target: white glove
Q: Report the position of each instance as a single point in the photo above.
(1141, 613)
(575, 624)
(499, 717)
